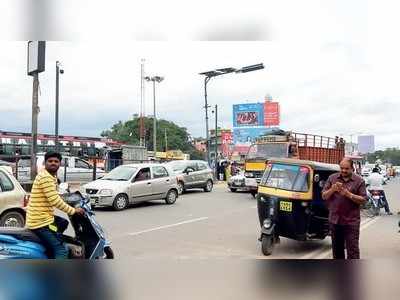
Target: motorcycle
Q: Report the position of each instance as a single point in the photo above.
(89, 241)
(375, 197)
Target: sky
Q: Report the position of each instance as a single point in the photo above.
(332, 65)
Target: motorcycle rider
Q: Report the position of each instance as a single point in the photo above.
(375, 181)
(40, 212)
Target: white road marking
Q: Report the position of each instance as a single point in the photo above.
(167, 226)
(325, 253)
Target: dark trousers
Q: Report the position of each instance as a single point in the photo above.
(52, 240)
(348, 235)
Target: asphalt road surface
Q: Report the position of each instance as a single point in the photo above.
(222, 224)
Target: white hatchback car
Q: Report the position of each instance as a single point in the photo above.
(133, 183)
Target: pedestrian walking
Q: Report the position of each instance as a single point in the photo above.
(344, 193)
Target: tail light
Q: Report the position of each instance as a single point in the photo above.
(26, 200)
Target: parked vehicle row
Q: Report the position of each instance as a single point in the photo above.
(134, 183)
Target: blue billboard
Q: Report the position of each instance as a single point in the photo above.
(248, 115)
(248, 135)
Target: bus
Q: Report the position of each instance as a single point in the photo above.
(19, 143)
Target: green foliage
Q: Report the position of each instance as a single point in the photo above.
(390, 155)
(177, 137)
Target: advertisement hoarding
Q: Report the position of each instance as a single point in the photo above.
(247, 136)
(271, 113)
(249, 114)
(226, 138)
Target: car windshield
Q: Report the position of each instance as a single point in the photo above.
(268, 150)
(122, 173)
(286, 177)
(177, 166)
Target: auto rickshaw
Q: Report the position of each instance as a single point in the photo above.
(290, 201)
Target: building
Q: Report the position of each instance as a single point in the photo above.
(366, 144)
(200, 144)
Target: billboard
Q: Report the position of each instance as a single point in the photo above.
(247, 136)
(226, 138)
(249, 114)
(366, 144)
(271, 113)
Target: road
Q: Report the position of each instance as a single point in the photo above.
(223, 224)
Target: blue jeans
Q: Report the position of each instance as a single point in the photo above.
(52, 241)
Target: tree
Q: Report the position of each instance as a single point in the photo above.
(390, 155)
(177, 137)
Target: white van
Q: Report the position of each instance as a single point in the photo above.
(78, 169)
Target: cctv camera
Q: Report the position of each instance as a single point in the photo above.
(61, 71)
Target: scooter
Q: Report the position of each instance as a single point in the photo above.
(89, 241)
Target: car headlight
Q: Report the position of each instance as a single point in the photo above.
(249, 174)
(106, 192)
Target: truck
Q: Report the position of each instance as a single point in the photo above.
(287, 144)
(126, 154)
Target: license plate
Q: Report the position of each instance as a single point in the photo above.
(285, 206)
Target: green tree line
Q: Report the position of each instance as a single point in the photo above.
(390, 155)
(177, 137)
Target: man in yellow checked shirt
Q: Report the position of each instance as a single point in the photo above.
(40, 212)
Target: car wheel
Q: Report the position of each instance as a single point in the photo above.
(233, 190)
(12, 219)
(209, 186)
(181, 187)
(120, 202)
(171, 197)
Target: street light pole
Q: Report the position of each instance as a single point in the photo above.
(216, 139)
(154, 79)
(58, 72)
(154, 119)
(214, 73)
(206, 106)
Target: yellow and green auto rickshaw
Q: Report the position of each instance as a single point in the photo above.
(290, 201)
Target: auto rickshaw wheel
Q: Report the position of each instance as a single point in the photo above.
(267, 244)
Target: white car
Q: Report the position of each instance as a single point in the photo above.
(238, 182)
(133, 183)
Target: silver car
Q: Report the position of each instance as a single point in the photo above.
(133, 183)
(192, 174)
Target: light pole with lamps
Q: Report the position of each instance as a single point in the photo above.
(218, 72)
(58, 72)
(154, 79)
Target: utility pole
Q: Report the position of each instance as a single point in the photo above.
(141, 124)
(154, 119)
(166, 140)
(216, 139)
(35, 113)
(58, 72)
(206, 106)
(36, 65)
(154, 79)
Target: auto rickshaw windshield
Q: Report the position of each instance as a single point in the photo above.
(287, 177)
